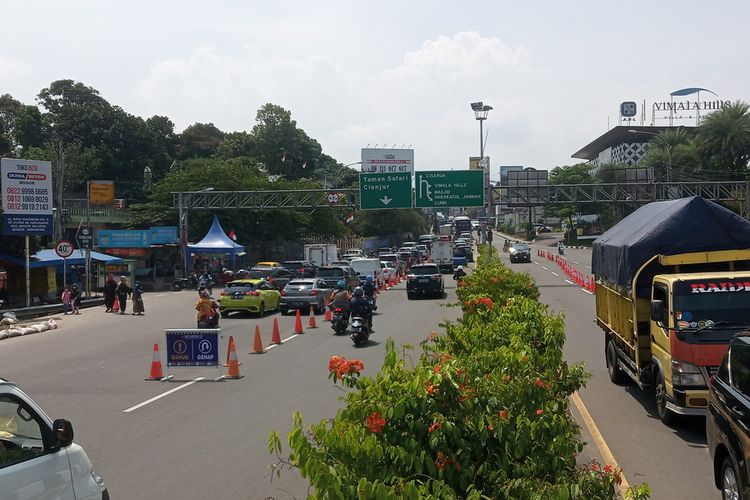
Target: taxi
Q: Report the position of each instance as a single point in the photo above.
(268, 263)
(248, 295)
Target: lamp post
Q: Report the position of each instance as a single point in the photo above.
(480, 113)
(667, 145)
(336, 174)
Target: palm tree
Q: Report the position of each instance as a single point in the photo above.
(676, 147)
(724, 139)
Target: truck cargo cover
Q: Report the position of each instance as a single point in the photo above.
(686, 225)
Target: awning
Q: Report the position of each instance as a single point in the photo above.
(49, 257)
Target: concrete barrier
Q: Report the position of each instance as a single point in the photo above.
(47, 309)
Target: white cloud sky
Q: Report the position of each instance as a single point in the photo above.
(402, 73)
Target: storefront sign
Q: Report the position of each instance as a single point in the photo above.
(123, 238)
(164, 235)
(27, 197)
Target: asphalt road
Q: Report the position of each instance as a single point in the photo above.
(674, 461)
(208, 439)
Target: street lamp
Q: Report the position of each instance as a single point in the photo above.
(667, 145)
(480, 110)
(336, 174)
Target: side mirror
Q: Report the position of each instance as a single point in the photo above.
(657, 311)
(63, 430)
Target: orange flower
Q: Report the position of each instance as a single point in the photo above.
(431, 389)
(435, 426)
(503, 413)
(539, 412)
(539, 383)
(344, 367)
(375, 422)
(608, 469)
(334, 362)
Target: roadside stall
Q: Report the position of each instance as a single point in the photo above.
(211, 252)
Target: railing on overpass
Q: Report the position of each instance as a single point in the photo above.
(560, 194)
(303, 198)
(74, 210)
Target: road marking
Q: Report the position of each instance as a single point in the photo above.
(553, 272)
(588, 267)
(606, 453)
(568, 281)
(537, 263)
(574, 262)
(155, 398)
(290, 338)
(586, 291)
(160, 295)
(543, 267)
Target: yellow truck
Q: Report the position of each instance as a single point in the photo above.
(672, 287)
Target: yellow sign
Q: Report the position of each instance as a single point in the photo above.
(475, 164)
(102, 192)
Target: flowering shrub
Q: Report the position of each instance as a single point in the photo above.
(483, 413)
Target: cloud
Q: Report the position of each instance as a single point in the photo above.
(423, 100)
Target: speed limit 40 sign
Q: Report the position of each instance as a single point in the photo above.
(64, 249)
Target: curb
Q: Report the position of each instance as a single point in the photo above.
(38, 311)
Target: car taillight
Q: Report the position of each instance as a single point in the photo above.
(283, 293)
(338, 310)
(254, 294)
(314, 293)
(301, 270)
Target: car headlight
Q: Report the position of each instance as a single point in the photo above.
(686, 374)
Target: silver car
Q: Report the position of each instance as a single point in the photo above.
(301, 293)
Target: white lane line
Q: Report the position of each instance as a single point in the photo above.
(155, 398)
(282, 341)
(290, 338)
(588, 267)
(568, 281)
(545, 268)
(537, 263)
(553, 272)
(586, 291)
(160, 295)
(574, 262)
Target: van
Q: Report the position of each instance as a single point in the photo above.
(351, 253)
(38, 458)
(368, 267)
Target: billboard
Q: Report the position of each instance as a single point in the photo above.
(123, 238)
(102, 192)
(387, 161)
(27, 197)
(527, 186)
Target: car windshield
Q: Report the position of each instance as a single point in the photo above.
(234, 286)
(362, 266)
(520, 247)
(330, 273)
(424, 270)
(300, 285)
(720, 306)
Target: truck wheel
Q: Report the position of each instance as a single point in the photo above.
(616, 374)
(729, 483)
(660, 391)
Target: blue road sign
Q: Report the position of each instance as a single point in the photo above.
(193, 347)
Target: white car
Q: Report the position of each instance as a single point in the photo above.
(38, 458)
(368, 267)
(352, 253)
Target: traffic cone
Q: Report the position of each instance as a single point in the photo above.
(311, 322)
(258, 344)
(233, 366)
(298, 324)
(156, 371)
(329, 316)
(275, 336)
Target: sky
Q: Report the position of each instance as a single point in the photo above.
(355, 74)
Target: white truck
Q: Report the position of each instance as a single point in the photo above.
(442, 255)
(321, 254)
(445, 229)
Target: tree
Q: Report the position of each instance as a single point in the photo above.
(724, 140)
(683, 155)
(386, 222)
(580, 173)
(236, 144)
(30, 129)
(200, 140)
(10, 108)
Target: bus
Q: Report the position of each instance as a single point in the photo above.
(461, 224)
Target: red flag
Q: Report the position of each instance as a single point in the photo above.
(304, 164)
(232, 235)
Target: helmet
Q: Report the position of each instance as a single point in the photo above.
(358, 292)
(340, 284)
(460, 268)
(369, 279)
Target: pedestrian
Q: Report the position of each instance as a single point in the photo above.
(138, 299)
(123, 290)
(75, 298)
(66, 300)
(110, 285)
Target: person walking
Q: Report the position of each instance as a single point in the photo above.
(110, 287)
(66, 300)
(138, 299)
(75, 298)
(123, 290)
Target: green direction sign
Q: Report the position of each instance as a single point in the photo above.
(449, 188)
(378, 191)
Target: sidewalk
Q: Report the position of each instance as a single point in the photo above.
(23, 313)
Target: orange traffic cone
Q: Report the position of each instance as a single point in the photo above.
(329, 316)
(298, 324)
(275, 337)
(258, 344)
(156, 371)
(233, 366)
(311, 322)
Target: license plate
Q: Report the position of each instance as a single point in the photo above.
(424, 280)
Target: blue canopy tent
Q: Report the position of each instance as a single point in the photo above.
(216, 241)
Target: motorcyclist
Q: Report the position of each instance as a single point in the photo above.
(340, 298)
(360, 306)
(560, 248)
(206, 282)
(459, 274)
(370, 288)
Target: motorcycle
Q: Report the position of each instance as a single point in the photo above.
(360, 331)
(561, 249)
(190, 282)
(371, 301)
(339, 322)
